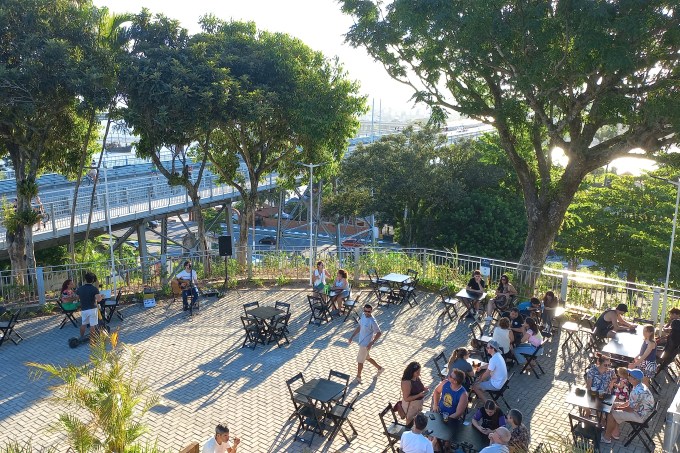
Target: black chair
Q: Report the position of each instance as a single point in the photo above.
(499, 394)
(450, 302)
(409, 292)
(478, 335)
(311, 419)
(318, 308)
(341, 378)
(339, 415)
(374, 282)
(571, 329)
(286, 308)
(7, 329)
(586, 433)
(109, 308)
(68, 309)
(350, 306)
(298, 400)
(440, 362)
(532, 359)
(278, 330)
(253, 332)
(412, 273)
(640, 429)
(249, 306)
(391, 428)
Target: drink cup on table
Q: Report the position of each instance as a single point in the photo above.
(445, 416)
(593, 391)
(600, 394)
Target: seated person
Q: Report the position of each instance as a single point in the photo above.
(495, 374)
(488, 418)
(319, 277)
(621, 386)
(504, 293)
(450, 397)
(530, 308)
(499, 439)
(68, 293)
(459, 361)
(519, 433)
(190, 288)
(341, 289)
(600, 375)
(516, 324)
(646, 360)
(414, 441)
(220, 443)
(503, 335)
(673, 314)
(611, 321)
(531, 341)
(637, 409)
(475, 289)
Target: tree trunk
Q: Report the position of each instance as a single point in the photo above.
(246, 219)
(200, 225)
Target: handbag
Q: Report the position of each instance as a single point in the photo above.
(399, 408)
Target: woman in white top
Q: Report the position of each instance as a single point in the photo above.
(319, 277)
(503, 335)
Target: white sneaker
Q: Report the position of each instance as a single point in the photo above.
(380, 371)
(357, 380)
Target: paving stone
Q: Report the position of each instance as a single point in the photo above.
(203, 376)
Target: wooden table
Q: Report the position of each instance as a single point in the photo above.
(455, 432)
(626, 345)
(586, 401)
(321, 390)
(265, 316)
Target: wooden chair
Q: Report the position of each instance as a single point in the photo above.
(252, 331)
(249, 306)
(532, 359)
(440, 362)
(640, 429)
(450, 303)
(391, 428)
(586, 433)
(499, 394)
(350, 306)
(318, 310)
(7, 329)
(341, 378)
(68, 309)
(339, 414)
(279, 329)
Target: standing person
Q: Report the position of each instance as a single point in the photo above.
(646, 361)
(450, 397)
(550, 303)
(612, 321)
(495, 375)
(414, 441)
(319, 277)
(475, 288)
(219, 443)
(189, 275)
(636, 409)
(369, 332)
(89, 298)
(504, 293)
(520, 438)
(412, 391)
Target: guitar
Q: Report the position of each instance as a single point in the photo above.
(178, 285)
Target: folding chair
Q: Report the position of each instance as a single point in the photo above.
(350, 306)
(409, 292)
(641, 428)
(311, 419)
(339, 415)
(450, 302)
(375, 282)
(253, 332)
(532, 359)
(249, 306)
(7, 329)
(318, 310)
(110, 306)
(68, 309)
(341, 378)
(499, 394)
(286, 308)
(392, 429)
(412, 273)
(571, 329)
(297, 399)
(586, 433)
(478, 333)
(279, 329)
(440, 363)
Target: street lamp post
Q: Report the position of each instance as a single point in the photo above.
(311, 167)
(670, 252)
(108, 222)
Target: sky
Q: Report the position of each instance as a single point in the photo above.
(318, 23)
(321, 25)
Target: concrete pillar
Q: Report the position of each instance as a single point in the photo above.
(40, 285)
(655, 306)
(143, 256)
(563, 290)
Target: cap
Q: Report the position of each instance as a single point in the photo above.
(494, 344)
(637, 374)
(622, 308)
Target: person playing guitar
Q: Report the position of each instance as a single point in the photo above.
(188, 281)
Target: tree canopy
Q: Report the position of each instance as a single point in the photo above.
(546, 75)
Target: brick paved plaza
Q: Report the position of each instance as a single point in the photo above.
(203, 376)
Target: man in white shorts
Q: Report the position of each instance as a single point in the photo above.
(638, 407)
(89, 298)
(369, 332)
(495, 375)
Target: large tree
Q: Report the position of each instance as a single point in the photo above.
(50, 76)
(288, 104)
(545, 74)
(173, 94)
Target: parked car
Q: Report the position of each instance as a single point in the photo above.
(154, 224)
(268, 240)
(352, 243)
